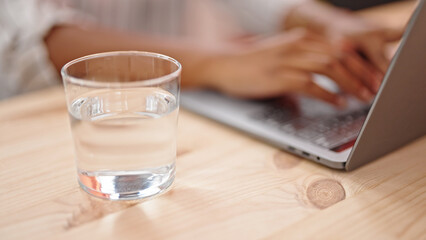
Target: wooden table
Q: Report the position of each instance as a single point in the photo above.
(228, 186)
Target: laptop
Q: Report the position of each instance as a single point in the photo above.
(341, 139)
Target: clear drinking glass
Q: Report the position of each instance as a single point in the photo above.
(123, 108)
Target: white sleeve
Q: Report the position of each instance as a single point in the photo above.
(24, 60)
(260, 16)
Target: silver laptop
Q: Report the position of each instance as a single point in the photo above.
(341, 139)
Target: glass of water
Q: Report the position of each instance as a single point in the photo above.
(123, 108)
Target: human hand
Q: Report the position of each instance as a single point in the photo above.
(284, 64)
(348, 29)
(365, 37)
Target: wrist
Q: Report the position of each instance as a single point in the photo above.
(211, 71)
(318, 17)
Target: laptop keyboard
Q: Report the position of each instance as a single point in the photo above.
(325, 131)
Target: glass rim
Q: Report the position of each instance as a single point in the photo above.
(139, 83)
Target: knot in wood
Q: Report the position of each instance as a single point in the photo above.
(285, 160)
(325, 193)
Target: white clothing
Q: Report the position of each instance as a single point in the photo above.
(24, 61)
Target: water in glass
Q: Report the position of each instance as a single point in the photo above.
(125, 141)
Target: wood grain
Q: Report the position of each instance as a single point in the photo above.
(228, 186)
(395, 209)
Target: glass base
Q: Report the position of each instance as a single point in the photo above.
(126, 185)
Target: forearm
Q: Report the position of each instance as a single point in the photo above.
(65, 43)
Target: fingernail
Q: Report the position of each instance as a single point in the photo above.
(378, 82)
(365, 94)
(341, 102)
(376, 85)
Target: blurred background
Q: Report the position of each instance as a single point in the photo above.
(27, 62)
